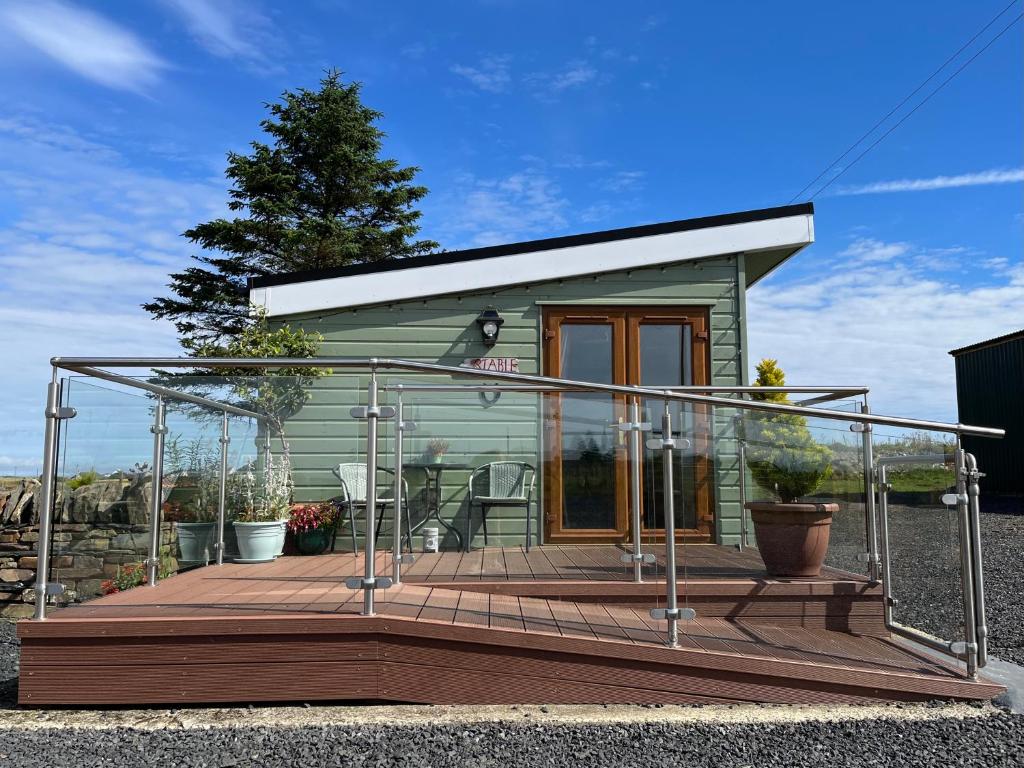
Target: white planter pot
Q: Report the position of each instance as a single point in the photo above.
(259, 542)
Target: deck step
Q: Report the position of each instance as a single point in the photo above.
(224, 634)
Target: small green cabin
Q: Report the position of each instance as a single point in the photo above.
(657, 305)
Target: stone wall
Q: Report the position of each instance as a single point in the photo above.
(98, 528)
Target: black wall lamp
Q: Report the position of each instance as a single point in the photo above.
(490, 323)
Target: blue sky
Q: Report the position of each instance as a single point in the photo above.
(529, 119)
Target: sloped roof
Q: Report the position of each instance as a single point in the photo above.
(771, 234)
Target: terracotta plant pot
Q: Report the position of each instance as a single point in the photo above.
(792, 538)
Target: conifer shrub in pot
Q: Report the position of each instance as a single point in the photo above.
(784, 458)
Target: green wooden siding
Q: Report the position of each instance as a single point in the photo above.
(442, 329)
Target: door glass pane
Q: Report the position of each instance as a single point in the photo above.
(588, 434)
(666, 360)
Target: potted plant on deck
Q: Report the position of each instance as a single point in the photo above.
(784, 458)
(197, 471)
(312, 526)
(261, 521)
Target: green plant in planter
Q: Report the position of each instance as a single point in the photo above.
(83, 479)
(198, 466)
(782, 455)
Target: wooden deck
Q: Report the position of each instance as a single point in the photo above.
(291, 631)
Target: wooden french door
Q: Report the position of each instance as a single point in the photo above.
(587, 489)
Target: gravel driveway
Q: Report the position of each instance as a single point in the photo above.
(529, 736)
(911, 735)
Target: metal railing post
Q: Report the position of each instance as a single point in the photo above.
(966, 564)
(888, 598)
(671, 611)
(973, 496)
(159, 430)
(870, 526)
(222, 491)
(635, 427)
(46, 495)
(743, 493)
(372, 413)
(397, 558)
(369, 564)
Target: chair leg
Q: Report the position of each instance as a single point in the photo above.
(467, 545)
(527, 526)
(408, 525)
(483, 520)
(380, 520)
(352, 527)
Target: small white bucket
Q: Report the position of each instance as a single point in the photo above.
(430, 540)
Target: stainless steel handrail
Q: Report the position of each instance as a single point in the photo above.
(842, 391)
(156, 389)
(373, 363)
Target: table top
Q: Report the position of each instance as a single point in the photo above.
(437, 465)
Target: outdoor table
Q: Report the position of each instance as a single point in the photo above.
(433, 470)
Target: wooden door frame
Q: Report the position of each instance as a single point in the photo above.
(626, 367)
(699, 320)
(552, 320)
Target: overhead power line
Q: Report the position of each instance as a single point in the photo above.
(906, 99)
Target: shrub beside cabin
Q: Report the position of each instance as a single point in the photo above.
(657, 305)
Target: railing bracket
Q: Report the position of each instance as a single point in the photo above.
(364, 412)
(633, 557)
(634, 426)
(679, 614)
(378, 582)
(661, 443)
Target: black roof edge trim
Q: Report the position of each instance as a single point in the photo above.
(1012, 336)
(532, 246)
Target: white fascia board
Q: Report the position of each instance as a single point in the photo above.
(538, 266)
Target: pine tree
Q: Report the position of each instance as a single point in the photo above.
(317, 194)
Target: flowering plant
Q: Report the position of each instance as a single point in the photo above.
(173, 512)
(310, 517)
(270, 500)
(132, 575)
(438, 446)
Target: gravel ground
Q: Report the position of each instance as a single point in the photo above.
(8, 665)
(912, 735)
(925, 557)
(942, 735)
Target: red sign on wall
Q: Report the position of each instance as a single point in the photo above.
(496, 364)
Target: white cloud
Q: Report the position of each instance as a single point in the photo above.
(477, 212)
(866, 249)
(91, 239)
(622, 181)
(885, 324)
(491, 74)
(550, 85)
(86, 43)
(228, 29)
(982, 178)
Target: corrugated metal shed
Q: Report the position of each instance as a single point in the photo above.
(990, 392)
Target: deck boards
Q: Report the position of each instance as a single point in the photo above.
(297, 611)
